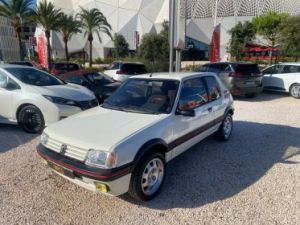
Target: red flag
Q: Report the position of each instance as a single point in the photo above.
(42, 52)
(215, 45)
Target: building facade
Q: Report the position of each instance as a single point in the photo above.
(133, 18)
(9, 46)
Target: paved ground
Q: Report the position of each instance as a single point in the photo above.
(252, 179)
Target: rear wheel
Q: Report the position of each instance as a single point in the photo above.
(148, 177)
(295, 90)
(225, 130)
(31, 119)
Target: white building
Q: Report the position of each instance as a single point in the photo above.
(130, 16)
(9, 46)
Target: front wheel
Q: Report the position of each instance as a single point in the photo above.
(295, 90)
(148, 177)
(31, 119)
(225, 130)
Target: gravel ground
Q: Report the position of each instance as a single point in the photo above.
(252, 179)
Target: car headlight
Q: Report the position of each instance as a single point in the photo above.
(61, 101)
(101, 159)
(44, 138)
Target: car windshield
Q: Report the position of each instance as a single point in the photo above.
(144, 96)
(34, 77)
(99, 79)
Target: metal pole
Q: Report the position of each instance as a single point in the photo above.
(171, 33)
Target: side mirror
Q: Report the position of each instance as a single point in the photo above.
(3, 84)
(190, 112)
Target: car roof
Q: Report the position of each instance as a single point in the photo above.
(127, 62)
(288, 63)
(4, 66)
(66, 63)
(173, 76)
(231, 63)
(76, 73)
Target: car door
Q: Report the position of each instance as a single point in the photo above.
(273, 78)
(189, 130)
(9, 91)
(289, 76)
(217, 107)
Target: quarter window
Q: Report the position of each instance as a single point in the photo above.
(214, 91)
(291, 69)
(193, 94)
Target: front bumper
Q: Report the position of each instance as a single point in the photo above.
(117, 180)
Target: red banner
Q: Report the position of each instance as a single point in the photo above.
(42, 52)
(215, 44)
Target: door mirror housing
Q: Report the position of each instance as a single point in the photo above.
(188, 112)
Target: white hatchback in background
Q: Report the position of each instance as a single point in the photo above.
(34, 98)
(123, 145)
(121, 71)
(284, 77)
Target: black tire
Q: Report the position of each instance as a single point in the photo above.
(222, 134)
(251, 95)
(295, 91)
(136, 190)
(31, 119)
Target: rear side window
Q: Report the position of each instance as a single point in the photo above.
(114, 66)
(133, 69)
(60, 66)
(73, 67)
(193, 94)
(291, 69)
(214, 91)
(76, 80)
(247, 68)
(204, 68)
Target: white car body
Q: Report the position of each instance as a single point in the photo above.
(13, 100)
(117, 74)
(281, 77)
(126, 133)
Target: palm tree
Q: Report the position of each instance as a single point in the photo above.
(17, 11)
(49, 18)
(69, 26)
(93, 21)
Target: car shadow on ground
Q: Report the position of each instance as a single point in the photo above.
(12, 136)
(213, 171)
(264, 96)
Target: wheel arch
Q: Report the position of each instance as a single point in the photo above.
(293, 85)
(22, 106)
(151, 145)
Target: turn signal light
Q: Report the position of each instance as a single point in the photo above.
(102, 187)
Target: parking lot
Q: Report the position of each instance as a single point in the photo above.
(252, 179)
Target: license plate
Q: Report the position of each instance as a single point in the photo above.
(62, 170)
(250, 83)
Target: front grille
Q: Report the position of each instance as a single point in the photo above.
(66, 149)
(84, 105)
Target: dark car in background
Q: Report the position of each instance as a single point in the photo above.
(121, 71)
(239, 77)
(102, 85)
(64, 67)
(28, 63)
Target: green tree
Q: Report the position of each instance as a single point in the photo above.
(49, 18)
(121, 46)
(18, 11)
(268, 25)
(94, 22)
(290, 37)
(68, 27)
(241, 34)
(154, 49)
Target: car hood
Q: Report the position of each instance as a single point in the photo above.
(68, 91)
(100, 128)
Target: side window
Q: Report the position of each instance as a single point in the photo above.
(76, 80)
(291, 69)
(204, 68)
(193, 94)
(214, 91)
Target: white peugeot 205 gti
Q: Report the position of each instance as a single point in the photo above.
(33, 98)
(123, 145)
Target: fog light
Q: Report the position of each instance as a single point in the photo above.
(102, 187)
(45, 162)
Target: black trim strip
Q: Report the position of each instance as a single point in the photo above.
(80, 169)
(194, 133)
